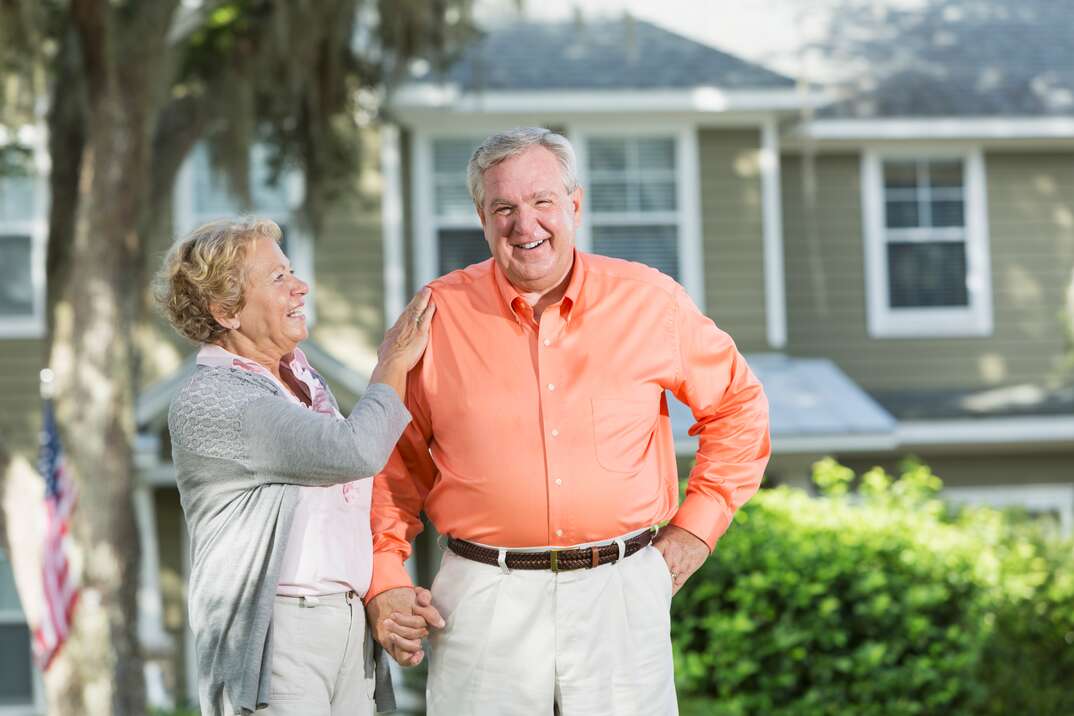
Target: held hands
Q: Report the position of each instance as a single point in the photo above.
(405, 342)
(400, 619)
(683, 552)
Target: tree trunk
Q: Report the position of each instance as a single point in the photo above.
(100, 669)
(124, 63)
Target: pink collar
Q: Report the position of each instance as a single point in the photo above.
(214, 356)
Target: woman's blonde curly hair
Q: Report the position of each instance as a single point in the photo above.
(207, 268)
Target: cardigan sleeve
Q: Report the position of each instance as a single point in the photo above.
(228, 415)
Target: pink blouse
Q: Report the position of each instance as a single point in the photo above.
(330, 547)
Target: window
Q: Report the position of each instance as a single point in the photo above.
(202, 196)
(641, 202)
(17, 688)
(927, 264)
(22, 258)
(459, 238)
(633, 200)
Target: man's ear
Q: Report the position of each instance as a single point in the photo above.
(576, 205)
(480, 214)
(224, 319)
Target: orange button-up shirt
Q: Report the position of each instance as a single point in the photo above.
(555, 432)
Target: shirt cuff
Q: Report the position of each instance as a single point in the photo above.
(388, 573)
(705, 519)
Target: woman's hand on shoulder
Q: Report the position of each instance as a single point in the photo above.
(405, 342)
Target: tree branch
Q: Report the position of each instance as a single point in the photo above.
(90, 18)
(67, 140)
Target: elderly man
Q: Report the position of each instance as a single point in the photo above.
(541, 448)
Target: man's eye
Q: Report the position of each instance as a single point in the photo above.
(503, 210)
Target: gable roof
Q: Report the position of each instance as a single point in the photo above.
(988, 58)
(618, 54)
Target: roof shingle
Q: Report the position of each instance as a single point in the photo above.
(607, 55)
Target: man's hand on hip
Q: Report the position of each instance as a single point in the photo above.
(400, 619)
(683, 552)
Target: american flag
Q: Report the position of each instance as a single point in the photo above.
(60, 590)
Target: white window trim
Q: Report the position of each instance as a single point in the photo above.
(688, 187)
(772, 236)
(1058, 498)
(391, 209)
(300, 243)
(427, 224)
(36, 228)
(885, 322)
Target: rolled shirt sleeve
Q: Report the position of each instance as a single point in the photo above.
(399, 493)
(731, 413)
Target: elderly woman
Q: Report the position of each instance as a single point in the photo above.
(274, 480)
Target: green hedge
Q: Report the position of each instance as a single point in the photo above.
(878, 602)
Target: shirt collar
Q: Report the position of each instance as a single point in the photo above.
(215, 356)
(519, 308)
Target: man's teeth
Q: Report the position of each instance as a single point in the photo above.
(532, 245)
(296, 313)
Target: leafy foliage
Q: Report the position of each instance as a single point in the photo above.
(879, 602)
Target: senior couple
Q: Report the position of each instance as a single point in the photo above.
(521, 403)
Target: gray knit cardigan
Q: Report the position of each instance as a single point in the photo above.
(241, 449)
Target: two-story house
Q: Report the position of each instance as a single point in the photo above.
(894, 257)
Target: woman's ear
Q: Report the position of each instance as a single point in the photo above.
(230, 322)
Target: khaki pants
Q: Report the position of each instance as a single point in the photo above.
(590, 642)
(321, 658)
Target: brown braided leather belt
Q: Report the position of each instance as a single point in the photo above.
(557, 560)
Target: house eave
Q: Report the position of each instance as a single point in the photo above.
(934, 128)
(1020, 431)
(421, 99)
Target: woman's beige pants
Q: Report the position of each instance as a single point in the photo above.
(321, 658)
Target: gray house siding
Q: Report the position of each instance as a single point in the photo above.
(20, 412)
(1030, 210)
(1031, 218)
(732, 231)
(348, 258)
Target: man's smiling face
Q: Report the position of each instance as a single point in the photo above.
(529, 220)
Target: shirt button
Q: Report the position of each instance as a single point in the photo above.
(559, 481)
(555, 433)
(548, 341)
(559, 533)
(551, 386)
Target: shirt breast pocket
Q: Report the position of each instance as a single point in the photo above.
(622, 432)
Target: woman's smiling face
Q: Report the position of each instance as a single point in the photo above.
(273, 317)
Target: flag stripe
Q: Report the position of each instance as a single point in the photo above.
(60, 589)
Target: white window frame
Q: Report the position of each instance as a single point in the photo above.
(688, 187)
(37, 705)
(36, 227)
(427, 224)
(300, 243)
(974, 319)
(687, 215)
(1057, 498)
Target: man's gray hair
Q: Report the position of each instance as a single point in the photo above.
(513, 142)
